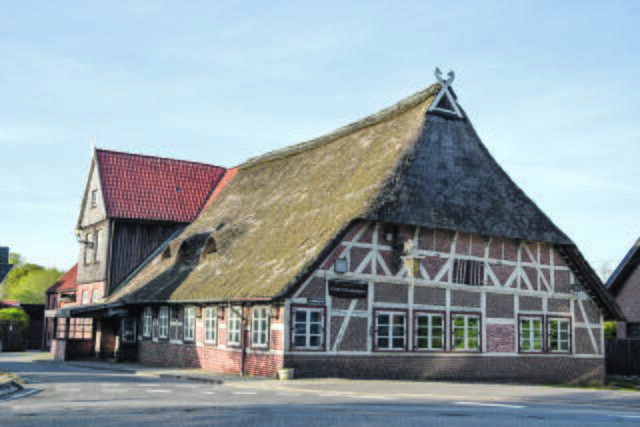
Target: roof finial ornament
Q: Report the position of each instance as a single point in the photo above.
(445, 102)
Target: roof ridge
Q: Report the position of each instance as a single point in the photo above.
(148, 156)
(381, 116)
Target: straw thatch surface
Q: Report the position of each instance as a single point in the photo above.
(281, 210)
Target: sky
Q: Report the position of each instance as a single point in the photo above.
(551, 87)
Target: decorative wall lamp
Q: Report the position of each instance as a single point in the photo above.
(579, 291)
(411, 259)
(341, 266)
(87, 243)
(275, 312)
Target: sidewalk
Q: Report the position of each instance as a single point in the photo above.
(445, 391)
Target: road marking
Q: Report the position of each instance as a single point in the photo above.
(158, 391)
(244, 392)
(68, 389)
(497, 405)
(208, 392)
(120, 390)
(376, 397)
(331, 395)
(147, 385)
(626, 416)
(287, 394)
(187, 385)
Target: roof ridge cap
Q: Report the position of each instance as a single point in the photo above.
(149, 156)
(368, 121)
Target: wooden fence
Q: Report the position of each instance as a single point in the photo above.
(622, 357)
(12, 335)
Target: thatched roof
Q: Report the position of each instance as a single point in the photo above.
(281, 212)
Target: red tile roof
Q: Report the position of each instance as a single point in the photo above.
(9, 303)
(154, 188)
(67, 282)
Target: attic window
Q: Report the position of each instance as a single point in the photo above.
(166, 254)
(210, 247)
(94, 198)
(178, 189)
(467, 272)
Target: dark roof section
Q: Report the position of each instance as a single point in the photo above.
(136, 186)
(68, 281)
(624, 269)
(4, 271)
(451, 181)
(5, 267)
(281, 212)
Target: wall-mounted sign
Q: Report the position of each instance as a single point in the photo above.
(344, 289)
(316, 301)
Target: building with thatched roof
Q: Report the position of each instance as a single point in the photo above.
(395, 247)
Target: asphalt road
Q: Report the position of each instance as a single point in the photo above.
(72, 396)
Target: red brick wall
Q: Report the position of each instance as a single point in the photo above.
(58, 349)
(208, 357)
(501, 338)
(521, 369)
(628, 297)
(97, 287)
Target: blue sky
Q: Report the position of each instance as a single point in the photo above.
(551, 88)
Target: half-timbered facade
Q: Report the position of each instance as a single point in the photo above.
(395, 247)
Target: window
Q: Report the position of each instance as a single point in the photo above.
(559, 333)
(467, 272)
(260, 327)
(465, 331)
(391, 331)
(189, 323)
(308, 328)
(146, 322)
(164, 322)
(129, 330)
(80, 329)
(234, 326)
(85, 297)
(98, 252)
(87, 249)
(61, 328)
(429, 331)
(94, 198)
(531, 334)
(95, 297)
(210, 324)
(633, 330)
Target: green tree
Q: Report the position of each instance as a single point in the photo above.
(28, 282)
(17, 315)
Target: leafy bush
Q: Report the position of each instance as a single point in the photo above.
(610, 330)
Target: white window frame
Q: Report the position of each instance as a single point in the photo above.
(210, 324)
(234, 326)
(189, 324)
(87, 249)
(560, 320)
(95, 297)
(147, 316)
(163, 324)
(307, 324)
(94, 198)
(391, 336)
(96, 246)
(430, 331)
(260, 326)
(85, 297)
(528, 334)
(465, 327)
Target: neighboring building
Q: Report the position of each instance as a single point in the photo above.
(5, 267)
(131, 204)
(395, 247)
(624, 285)
(60, 294)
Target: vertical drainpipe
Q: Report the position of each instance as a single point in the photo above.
(242, 338)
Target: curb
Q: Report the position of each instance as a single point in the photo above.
(80, 365)
(189, 378)
(8, 388)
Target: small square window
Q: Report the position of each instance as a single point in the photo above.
(94, 198)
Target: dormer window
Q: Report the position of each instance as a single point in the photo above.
(210, 247)
(94, 198)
